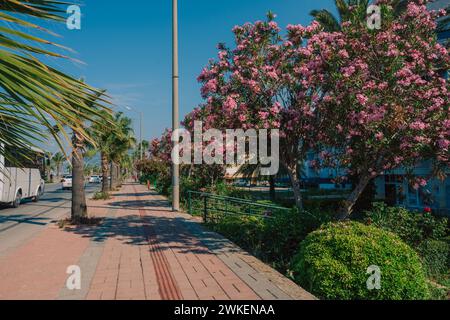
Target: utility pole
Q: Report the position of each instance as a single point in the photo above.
(175, 116)
(140, 135)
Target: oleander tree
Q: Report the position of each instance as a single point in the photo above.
(367, 101)
(386, 102)
(264, 82)
(161, 148)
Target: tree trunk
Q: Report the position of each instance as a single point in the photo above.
(79, 207)
(350, 202)
(49, 175)
(272, 192)
(113, 176)
(105, 172)
(119, 175)
(295, 182)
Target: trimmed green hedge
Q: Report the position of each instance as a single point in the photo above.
(332, 263)
(274, 240)
(435, 255)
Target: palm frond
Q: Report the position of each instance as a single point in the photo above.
(49, 97)
(326, 19)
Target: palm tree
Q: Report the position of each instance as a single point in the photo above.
(58, 160)
(102, 133)
(123, 140)
(357, 10)
(113, 143)
(79, 144)
(141, 148)
(126, 164)
(350, 10)
(33, 94)
(79, 206)
(331, 23)
(89, 169)
(252, 171)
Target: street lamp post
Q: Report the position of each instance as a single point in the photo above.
(175, 116)
(140, 135)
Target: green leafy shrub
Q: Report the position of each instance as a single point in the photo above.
(438, 292)
(274, 240)
(324, 205)
(101, 196)
(285, 231)
(413, 227)
(435, 255)
(245, 231)
(157, 172)
(332, 263)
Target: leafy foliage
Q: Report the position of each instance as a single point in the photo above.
(34, 94)
(413, 227)
(435, 256)
(274, 240)
(332, 263)
(101, 196)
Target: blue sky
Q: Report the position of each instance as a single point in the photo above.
(126, 47)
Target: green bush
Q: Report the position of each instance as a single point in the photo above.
(435, 255)
(274, 240)
(284, 232)
(332, 263)
(413, 227)
(438, 292)
(245, 231)
(101, 196)
(326, 205)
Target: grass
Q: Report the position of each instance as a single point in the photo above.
(101, 196)
(84, 221)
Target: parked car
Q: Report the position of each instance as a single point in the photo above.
(241, 183)
(95, 179)
(66, 182)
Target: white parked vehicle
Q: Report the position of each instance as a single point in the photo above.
(66, 182)
(95, 179)
(24, 182)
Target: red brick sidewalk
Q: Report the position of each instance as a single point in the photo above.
(141, 251)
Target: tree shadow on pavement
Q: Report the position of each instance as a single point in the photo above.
(159, 233)
(157, 230)
(133, 204)
(22, 218)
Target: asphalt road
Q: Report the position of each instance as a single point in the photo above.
(18, 225)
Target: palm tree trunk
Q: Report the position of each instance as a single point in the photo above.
(119, 175)
(79, 207)
(49, 174)
(105, 171)
(113, 175)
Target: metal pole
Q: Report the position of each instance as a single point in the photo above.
(175, 76)
(140, 135)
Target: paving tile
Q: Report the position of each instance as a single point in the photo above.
(140, 252)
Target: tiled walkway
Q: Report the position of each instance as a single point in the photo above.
(141, 251)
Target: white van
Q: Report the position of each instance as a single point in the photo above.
(22, 183)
